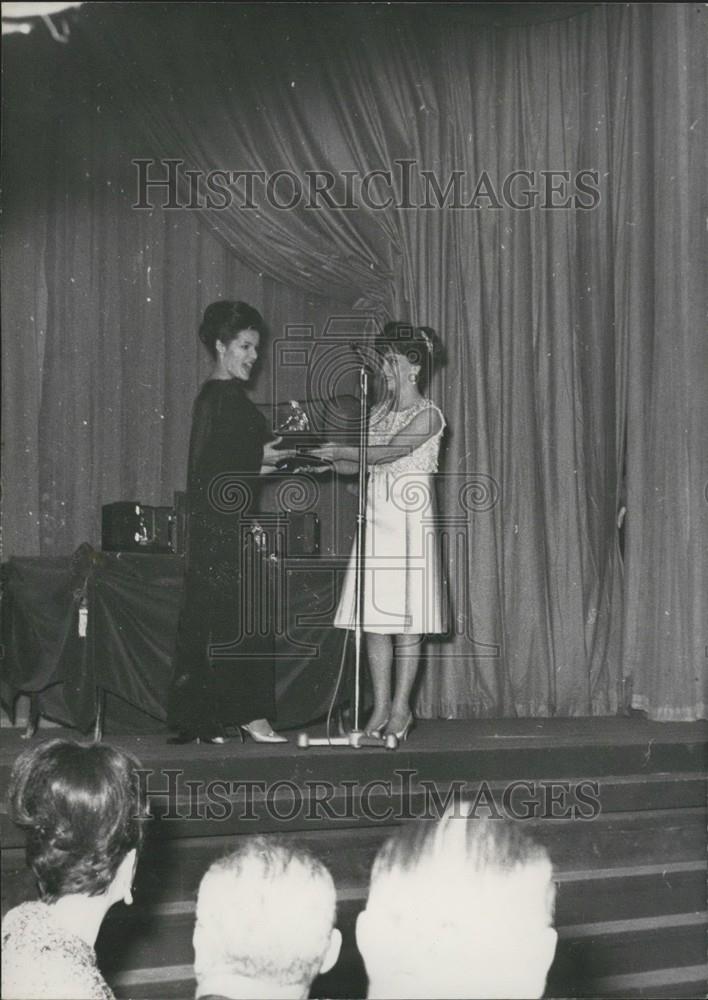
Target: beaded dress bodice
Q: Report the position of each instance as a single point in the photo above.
(384, 427)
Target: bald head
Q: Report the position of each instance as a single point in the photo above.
(265, 921)
(460, 907)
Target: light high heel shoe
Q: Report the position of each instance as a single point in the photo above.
(403, 734)
(259, 737)
(378, 732)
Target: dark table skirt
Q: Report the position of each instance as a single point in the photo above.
(132, 604)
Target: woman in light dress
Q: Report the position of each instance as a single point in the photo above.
(403, 592)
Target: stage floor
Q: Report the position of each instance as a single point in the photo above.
(462, 751)
(428, 736)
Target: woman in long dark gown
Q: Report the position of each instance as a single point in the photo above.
(223, 665)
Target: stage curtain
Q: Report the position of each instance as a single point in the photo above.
(100, 312)
(661, 310)
(570, 332)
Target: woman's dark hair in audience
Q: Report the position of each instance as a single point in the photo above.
(224, 320)
(83, 810)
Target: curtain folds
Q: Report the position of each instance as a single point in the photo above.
(575, 350)
(661, 311)
(244, 111)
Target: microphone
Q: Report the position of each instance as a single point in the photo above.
(364, 355)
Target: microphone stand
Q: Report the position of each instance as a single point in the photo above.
(357, 737)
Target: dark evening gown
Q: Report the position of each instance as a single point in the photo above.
(223, 663)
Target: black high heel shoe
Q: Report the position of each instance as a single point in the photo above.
(184, 737)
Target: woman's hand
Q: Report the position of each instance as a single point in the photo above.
(331, 459)
(340, 466)
(332, 452)
(344, 467)
(326, 452)
(272, 455)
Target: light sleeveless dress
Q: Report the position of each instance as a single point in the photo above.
(403, 592)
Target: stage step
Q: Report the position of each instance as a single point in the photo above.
(600, 899)
(170, 869)
(176, 866)
(596, 960)
(663, 984)
(624, 912)
(289, 806)
(686, 983)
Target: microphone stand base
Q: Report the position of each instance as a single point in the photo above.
(356, 739)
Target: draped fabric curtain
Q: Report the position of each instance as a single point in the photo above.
(100, 313)
(254, 105)
(572, 333)
(661, 312)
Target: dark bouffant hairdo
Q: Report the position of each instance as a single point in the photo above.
(83, 810)
(224, 321)
(420, 344)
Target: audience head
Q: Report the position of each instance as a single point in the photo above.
(83, 812)
(265, 922)
(459, 907)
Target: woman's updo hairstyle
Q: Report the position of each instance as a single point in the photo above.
(419, 344)
(224, 320)
(83, 810)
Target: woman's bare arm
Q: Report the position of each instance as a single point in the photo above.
(424, 425)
